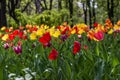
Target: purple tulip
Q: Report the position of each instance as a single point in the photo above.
(6, 45)
(63, 37)
(48, 44)
(33, 45)
(17, 49)
(117, 31)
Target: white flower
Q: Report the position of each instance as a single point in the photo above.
(11, 75)
(26, 70)
(29, 77)
(19, 78)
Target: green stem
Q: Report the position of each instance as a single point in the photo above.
(1, 74)
(97, 49)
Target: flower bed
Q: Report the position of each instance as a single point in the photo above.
(62, 52)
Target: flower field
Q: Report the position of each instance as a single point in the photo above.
(61, 52)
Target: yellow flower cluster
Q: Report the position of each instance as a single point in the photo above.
(35, 31)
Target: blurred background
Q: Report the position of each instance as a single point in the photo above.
(54, 12)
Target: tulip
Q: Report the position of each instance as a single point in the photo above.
(79, 36)
(6, 45)
(63, 37)
(17, 49)
(45, 38)
(53, 55)
(76, 48)
(99, 36)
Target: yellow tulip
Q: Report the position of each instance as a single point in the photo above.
(5, 37)
(56, 34)
(46, 27)
(116, 27)
(40, 32)
(81, 31)
(111, 31)
(51, 30)
(3, 28)
(33, 36)
(73, 31)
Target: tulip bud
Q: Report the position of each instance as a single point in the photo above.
(79, 36)
(6, 45)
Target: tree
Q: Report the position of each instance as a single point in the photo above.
(59, 5)
(38, 7)
(12, 5)
(90, 13)
(28, 4)
(51, 1)
(71, 10)
(45, 4)
(94, 13)
(85, 11)
(3, 21)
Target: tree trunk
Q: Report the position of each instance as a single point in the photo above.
(37, 5)
(59, 5)
(66, 3)
(51, 1)
(85, 13)
(71, 10)
(94, 14)
(112, 11)
(26, 6)
(45, 4)
(11, 8)
(3, 21)
(90, 16)
(108, 9)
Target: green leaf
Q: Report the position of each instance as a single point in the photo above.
(115, 62)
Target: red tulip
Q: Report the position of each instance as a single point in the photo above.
(65, 30)
(85, 47)
(45, 38)
(95, 24)
(24, 37)
(53, 54)
(11, 37)
(15, 32)
(20, 35)
(77, 47)
(99, 35)
(7, 30)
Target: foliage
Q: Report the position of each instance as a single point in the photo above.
(61, 53)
